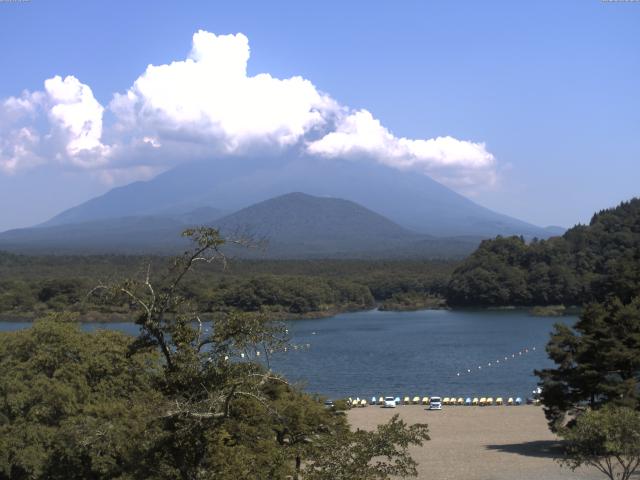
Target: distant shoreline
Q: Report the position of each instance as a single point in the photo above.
(115, 317)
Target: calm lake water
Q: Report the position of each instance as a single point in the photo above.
(410, 353)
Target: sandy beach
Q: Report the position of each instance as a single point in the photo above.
(480, 443)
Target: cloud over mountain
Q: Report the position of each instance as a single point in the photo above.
(207, 106)
(63, 122)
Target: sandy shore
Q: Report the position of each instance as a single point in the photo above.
(480, 443)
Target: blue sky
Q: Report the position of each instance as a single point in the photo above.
(549, 87)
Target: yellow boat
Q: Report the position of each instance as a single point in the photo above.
(510, 401)
(490, 401)
(416, 400)
(460, 401)
(475, 401)
(499, 401)
(406, 400)
(483, 401)
(445, 401)
(425, 400)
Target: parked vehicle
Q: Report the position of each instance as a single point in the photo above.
(435, 404)
(389, 402)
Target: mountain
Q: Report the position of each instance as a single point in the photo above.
(555, 231)
(410, 199)
(298, 225)
(115, 235)
(295, 225)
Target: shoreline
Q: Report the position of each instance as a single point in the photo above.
(117, 317)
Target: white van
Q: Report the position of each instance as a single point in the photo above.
(389, 402)
(436, 403)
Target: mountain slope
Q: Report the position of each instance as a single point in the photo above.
(300, 218)
(410, 199)
(294, 225)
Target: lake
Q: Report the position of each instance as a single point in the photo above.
(430, 352)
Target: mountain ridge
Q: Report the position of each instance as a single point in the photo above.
(295, 225)
(410, 199)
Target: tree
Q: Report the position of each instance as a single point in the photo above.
(598, 361)
(366, 455)
(186, 399)
(226, 414)
(607, 439)
(73, 405)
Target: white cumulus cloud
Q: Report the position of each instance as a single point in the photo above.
(207, 106)
(62, 123)
(448, 159)
(209, 98)
(75, 111)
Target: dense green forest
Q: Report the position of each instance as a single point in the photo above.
(585, 264)
(31, 285)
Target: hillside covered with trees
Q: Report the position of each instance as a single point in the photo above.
(583, 265)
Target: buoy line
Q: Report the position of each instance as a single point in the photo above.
(497, 362)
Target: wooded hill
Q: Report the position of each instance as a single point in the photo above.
(580, 266)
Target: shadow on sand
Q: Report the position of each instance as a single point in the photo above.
(541, 448)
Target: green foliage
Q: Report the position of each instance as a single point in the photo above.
(183, 400)
(283, 289)
(366, 455)
(597, 361)
(73, 405)
(583, 265)
(607, 439)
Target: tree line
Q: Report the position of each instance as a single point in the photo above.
(40, 285)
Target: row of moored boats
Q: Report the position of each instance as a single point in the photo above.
(438, 401)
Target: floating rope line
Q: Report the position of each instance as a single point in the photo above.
(497, 362)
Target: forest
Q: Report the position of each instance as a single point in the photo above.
(584, 265)
(35, 285)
